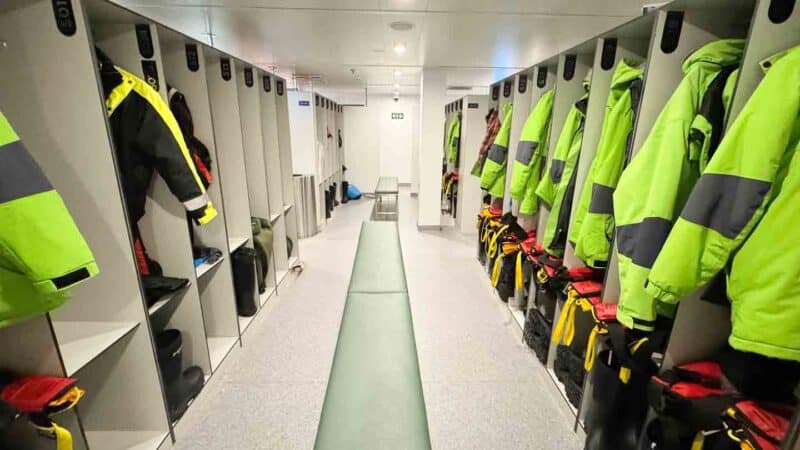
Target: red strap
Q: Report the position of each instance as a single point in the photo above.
(605, 312)
(32, 394)
(201, 167)
(771, 421)
(587, 288)
(141, 257)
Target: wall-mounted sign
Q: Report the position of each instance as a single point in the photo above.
(473, 105)
(266, 83)
(65, 17)
(248, 76)
(192, 58)
(145, 40)
(304, 103)
(397, 116)
(225, 68)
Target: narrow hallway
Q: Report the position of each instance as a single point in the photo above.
(483, 388)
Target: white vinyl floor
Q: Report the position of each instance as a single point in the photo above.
(483, 388)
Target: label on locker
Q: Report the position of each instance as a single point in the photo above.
(192, 58)
(150, 72)
(523, 83)
(507, 89)
(145, 40)
(473, 105)
(609, 53)
(541, 77)
(266, 82)
(225, 68)
(279, 87)
(248, 76)
(672, 31)
(569, 67)
(495, 91)
(65, 17)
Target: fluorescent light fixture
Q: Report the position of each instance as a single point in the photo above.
(397, 85)
(397, 73)
(399, 48)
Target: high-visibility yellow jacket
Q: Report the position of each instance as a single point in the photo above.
(493, 177)
(531, 155)
(42, 252)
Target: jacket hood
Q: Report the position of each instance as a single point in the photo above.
(724, 52)
(625, 72)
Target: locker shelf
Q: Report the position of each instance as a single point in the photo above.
(204, 268)
(235, 243)
(218, 349)
(163, 301)
(274, 218)
(292, 261)
(287, 208)
(81, 342)
(124, 439)
(280, 275)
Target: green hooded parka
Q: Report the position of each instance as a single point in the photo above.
(493, 177)
(531, 155)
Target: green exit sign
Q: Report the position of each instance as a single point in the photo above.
(397, 116)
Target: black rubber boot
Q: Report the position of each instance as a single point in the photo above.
(345, 198)
(169, 348)
(181, 393)
(243, 265)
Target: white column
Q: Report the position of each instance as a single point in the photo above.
(431, 136)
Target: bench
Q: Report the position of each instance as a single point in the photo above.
(374, 396)
(386, 199)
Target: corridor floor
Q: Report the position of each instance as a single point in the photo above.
(483, 388)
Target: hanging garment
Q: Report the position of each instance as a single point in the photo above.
(526, 171)
(42, 252)
(493, 177)
(147, 138)
(492, 128)
(453, 142)
(200, 154)
(742, 213)
(557, 187)
(658, 180)
(593, 223)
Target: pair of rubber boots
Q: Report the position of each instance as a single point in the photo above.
(181, 386)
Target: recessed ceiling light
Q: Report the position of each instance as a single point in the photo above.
(397, 85)
(401, 26)
(399, 48)
(397, 73)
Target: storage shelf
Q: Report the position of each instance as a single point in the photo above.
(292, 261)
(274, 218)
(244, 322)
(204, 268)
(81, 342)
(218, 349)
(164, 300)
(235, 243)
(128, 440)
(266, 295)
(287, 208)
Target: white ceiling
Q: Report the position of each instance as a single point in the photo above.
(476, 41)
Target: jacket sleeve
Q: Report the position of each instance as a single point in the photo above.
(38, 237)
(734, 191)
(496, 159)
(160, 137)
(531, 147)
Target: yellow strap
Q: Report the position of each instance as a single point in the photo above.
(72, 396)
(591, 348)
(493, 242)
(624, 374)
(558, 331)
(698, 441)
(569, 327)
(518, 272)
(62, 435)
(496, 270)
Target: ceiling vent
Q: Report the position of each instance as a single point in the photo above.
(401, 26)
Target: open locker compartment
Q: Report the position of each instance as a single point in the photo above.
(185, 71)
(100, 326)
(132, 42)
(225, 117)
(522, 108)
(473, 130)
(250, 87)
